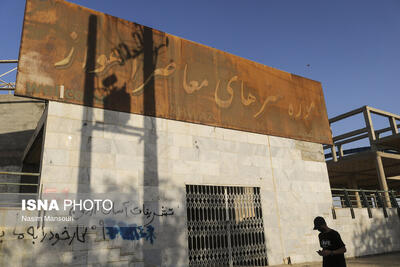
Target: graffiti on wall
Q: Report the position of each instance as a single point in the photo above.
(131, 232)
(109, 230)
(126, 221)
(126, 210)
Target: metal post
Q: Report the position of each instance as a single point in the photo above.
(366, 203)
(333, 213)
(395, 204)
(348, 203)
(381, 203)
(228, 224)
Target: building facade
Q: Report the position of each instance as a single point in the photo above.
(220, 157)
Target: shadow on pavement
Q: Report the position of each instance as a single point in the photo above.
(382, 260)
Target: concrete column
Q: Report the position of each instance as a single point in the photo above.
(382, 179)
(352, 183)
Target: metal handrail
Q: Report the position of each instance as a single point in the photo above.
(20, 173)
(346, 115)
(7, 86)
(365, 199)
(358, 190)
(359, 198)
(19, 184)
(31, 186)
(10, 193)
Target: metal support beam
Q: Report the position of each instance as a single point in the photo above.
(333, 150)
(340, 148)
(393, 125)
(350, 134)
(7, 86)
(9, 61)
(348, 114)
(7, 72)
(388, 155)
(386, 129)
(370, 127)
(382, 178)
(383, 113)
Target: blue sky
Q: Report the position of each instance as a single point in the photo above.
(351, 47)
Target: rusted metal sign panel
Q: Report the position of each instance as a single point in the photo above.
(76, 55)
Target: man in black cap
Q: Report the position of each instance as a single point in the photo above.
(333, 248)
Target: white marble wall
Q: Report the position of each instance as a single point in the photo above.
(367, 236)
(95, 150)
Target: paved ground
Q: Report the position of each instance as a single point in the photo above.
(386, 260)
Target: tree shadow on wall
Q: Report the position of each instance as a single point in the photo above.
(169, 244)
(377, 235)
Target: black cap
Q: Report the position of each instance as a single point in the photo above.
(318, 221)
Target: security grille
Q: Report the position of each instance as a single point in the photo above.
(225, 226)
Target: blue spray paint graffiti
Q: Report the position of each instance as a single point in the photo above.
(130, 232)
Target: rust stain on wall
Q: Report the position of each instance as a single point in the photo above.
(192, 82)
